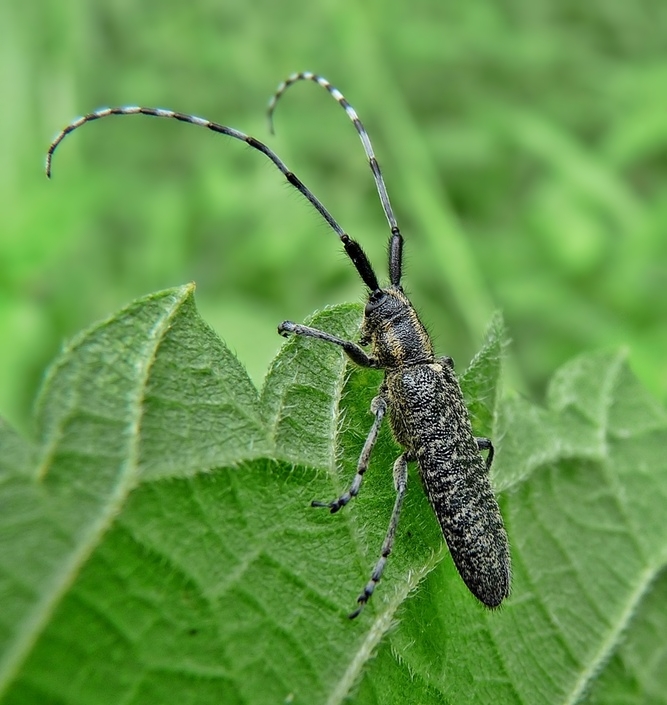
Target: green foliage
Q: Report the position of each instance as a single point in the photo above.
(156, 543)
(523, 143)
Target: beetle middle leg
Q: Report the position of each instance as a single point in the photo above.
(379, 408)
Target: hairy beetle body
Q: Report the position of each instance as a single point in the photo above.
(429, 418)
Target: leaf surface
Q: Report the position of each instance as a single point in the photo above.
(157, 543)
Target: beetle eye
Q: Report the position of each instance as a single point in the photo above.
(375, 299)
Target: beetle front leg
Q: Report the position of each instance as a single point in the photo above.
(353, 351)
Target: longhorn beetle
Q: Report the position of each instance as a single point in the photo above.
(420, 391)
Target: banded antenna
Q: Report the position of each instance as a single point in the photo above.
(352, 247)
(396, 239)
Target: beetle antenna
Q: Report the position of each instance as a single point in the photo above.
(396, 239)
(352, 248)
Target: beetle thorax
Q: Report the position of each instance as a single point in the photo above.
(393, 329)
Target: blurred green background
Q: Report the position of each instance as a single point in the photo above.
(523, 142)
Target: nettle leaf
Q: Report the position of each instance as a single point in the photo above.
(157, 543)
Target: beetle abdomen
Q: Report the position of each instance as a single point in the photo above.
(430, 418)
(472, 525)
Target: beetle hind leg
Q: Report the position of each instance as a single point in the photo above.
(400, 483)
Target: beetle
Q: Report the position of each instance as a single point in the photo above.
(420, 392)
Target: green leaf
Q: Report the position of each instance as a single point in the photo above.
(157, 544)
(481, 381)
(152, 379)
(16, 454)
